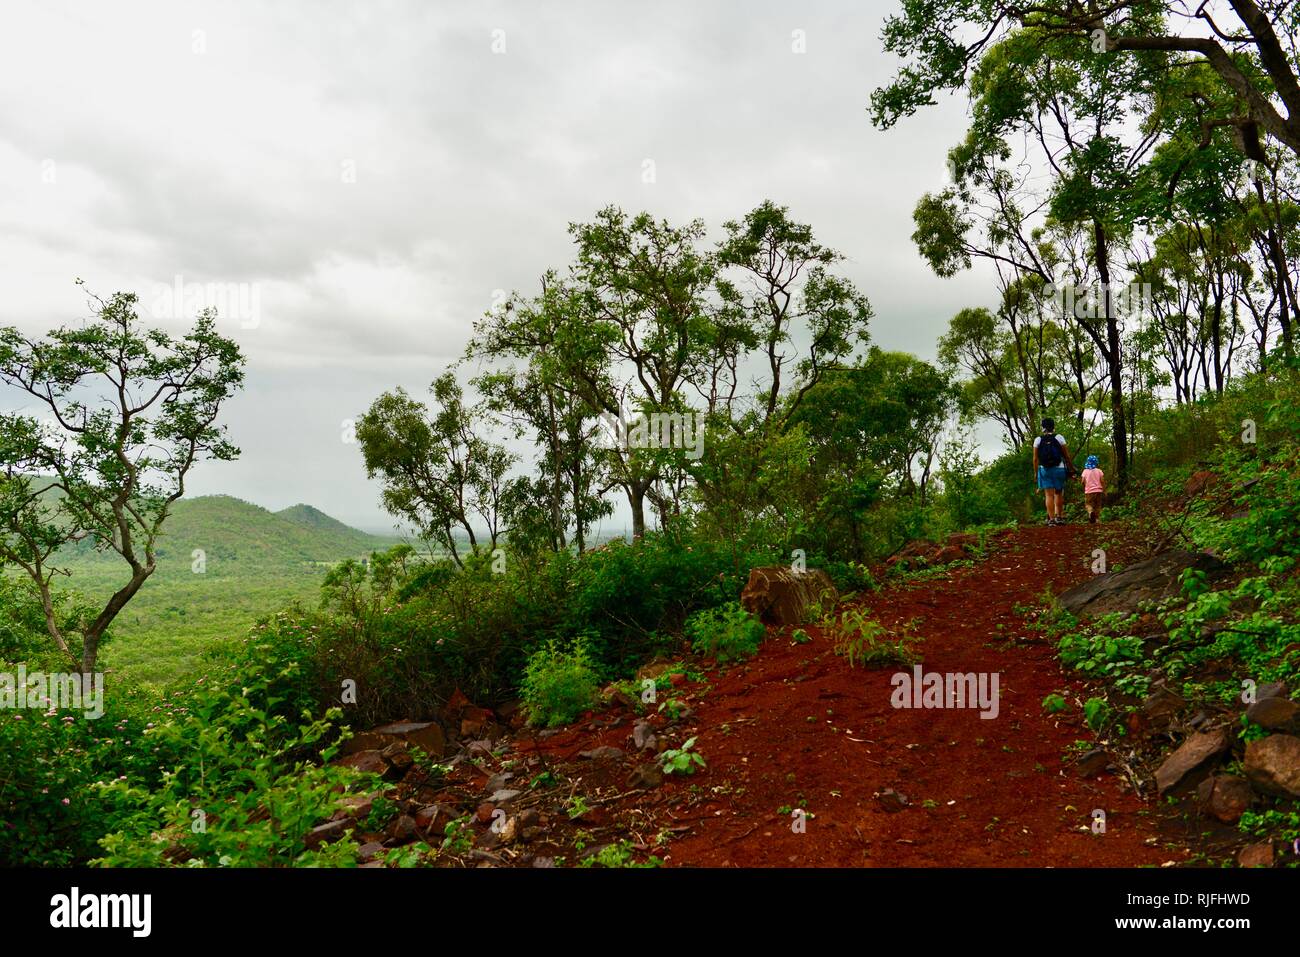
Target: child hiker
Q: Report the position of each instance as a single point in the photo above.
(1094, 489)
(1053, 465)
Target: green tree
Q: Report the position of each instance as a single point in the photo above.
(125, 414)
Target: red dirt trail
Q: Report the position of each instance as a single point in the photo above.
(796, 725)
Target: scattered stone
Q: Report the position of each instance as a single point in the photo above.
(355, 807)
(1256, 855)
(605, 753)
(967, 540)
(778, 595)
(365, 741)
(504, 796)
(427, 815)
(1125, 590)
(652, 670)
(1273, 713)
(324, 833)
(1274, 689)
(425, 735)
(643, 736)
(947, 555)
(1161, 705)
(1225, 797)
(1092, 764)
(543, 862)
(484, 812)
(1192, 757)
(367, 762)
(529, 817)
(368, 851)
(1273, 764)
(498, 781)
(892, 800)
(646, 776)
(402, 829)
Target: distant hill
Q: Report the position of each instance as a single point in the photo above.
(230, 530)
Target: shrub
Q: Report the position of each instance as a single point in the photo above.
(559, 684)
(866, 642)
(727, 633)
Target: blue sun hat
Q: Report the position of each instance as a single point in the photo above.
(1091, 463)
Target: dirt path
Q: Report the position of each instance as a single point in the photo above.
(797, 725)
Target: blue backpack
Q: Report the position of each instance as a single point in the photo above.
(1049, 452)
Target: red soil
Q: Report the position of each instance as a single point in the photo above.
(797, 726)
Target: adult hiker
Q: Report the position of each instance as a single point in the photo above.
(1053, 465)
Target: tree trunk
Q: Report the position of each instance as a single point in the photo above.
(1114, 358)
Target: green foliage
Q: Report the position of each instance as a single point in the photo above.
(244, 784)
(559, 683)
(1054, 703)
(867, 643)
(618, 854)
(681, 760)
(727, 633)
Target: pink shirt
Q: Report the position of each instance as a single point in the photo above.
(1094, 480)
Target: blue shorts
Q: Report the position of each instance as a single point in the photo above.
(1051, 478)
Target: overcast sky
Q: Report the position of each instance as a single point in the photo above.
(377, 172)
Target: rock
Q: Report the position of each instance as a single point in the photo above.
(365, 741)
(652, 670)
(1152, 580)
(427, 816)
(484, 812)
(913, 552)
(947, 555)
(529, 817)
(778, 595)
(1273, 764)
(543, 862)
(510, 831)
(643, 736)
(1092, 764)
(367, 762)
(355, 807)
(967, 540)
(646, 776)
(368, 851)
(329, 831)
(1274, 689)
(1192, 757)
(504, 796)
(892, 800)
(474, 721)
(425, 735)
(1225, 797)
(1256, 855)
(1161, 705)
(1273, 713)
(1198, 483)
(605, 753)
(612, 694)
(402, 829)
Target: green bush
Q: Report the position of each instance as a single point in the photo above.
(727, 633)
(559, 683)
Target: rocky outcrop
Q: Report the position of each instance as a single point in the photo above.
(1124, 591)
(1273, 764)
(1187, 765)
(779, 595)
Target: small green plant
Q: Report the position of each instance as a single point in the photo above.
(1096, 712)
(727, 633)
(1054, 703)
(681, 760)
(800, 637)
(559, 684)
(576, 807)
(456, 836)
(673, 708)
(867, 643)
(618, 855)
